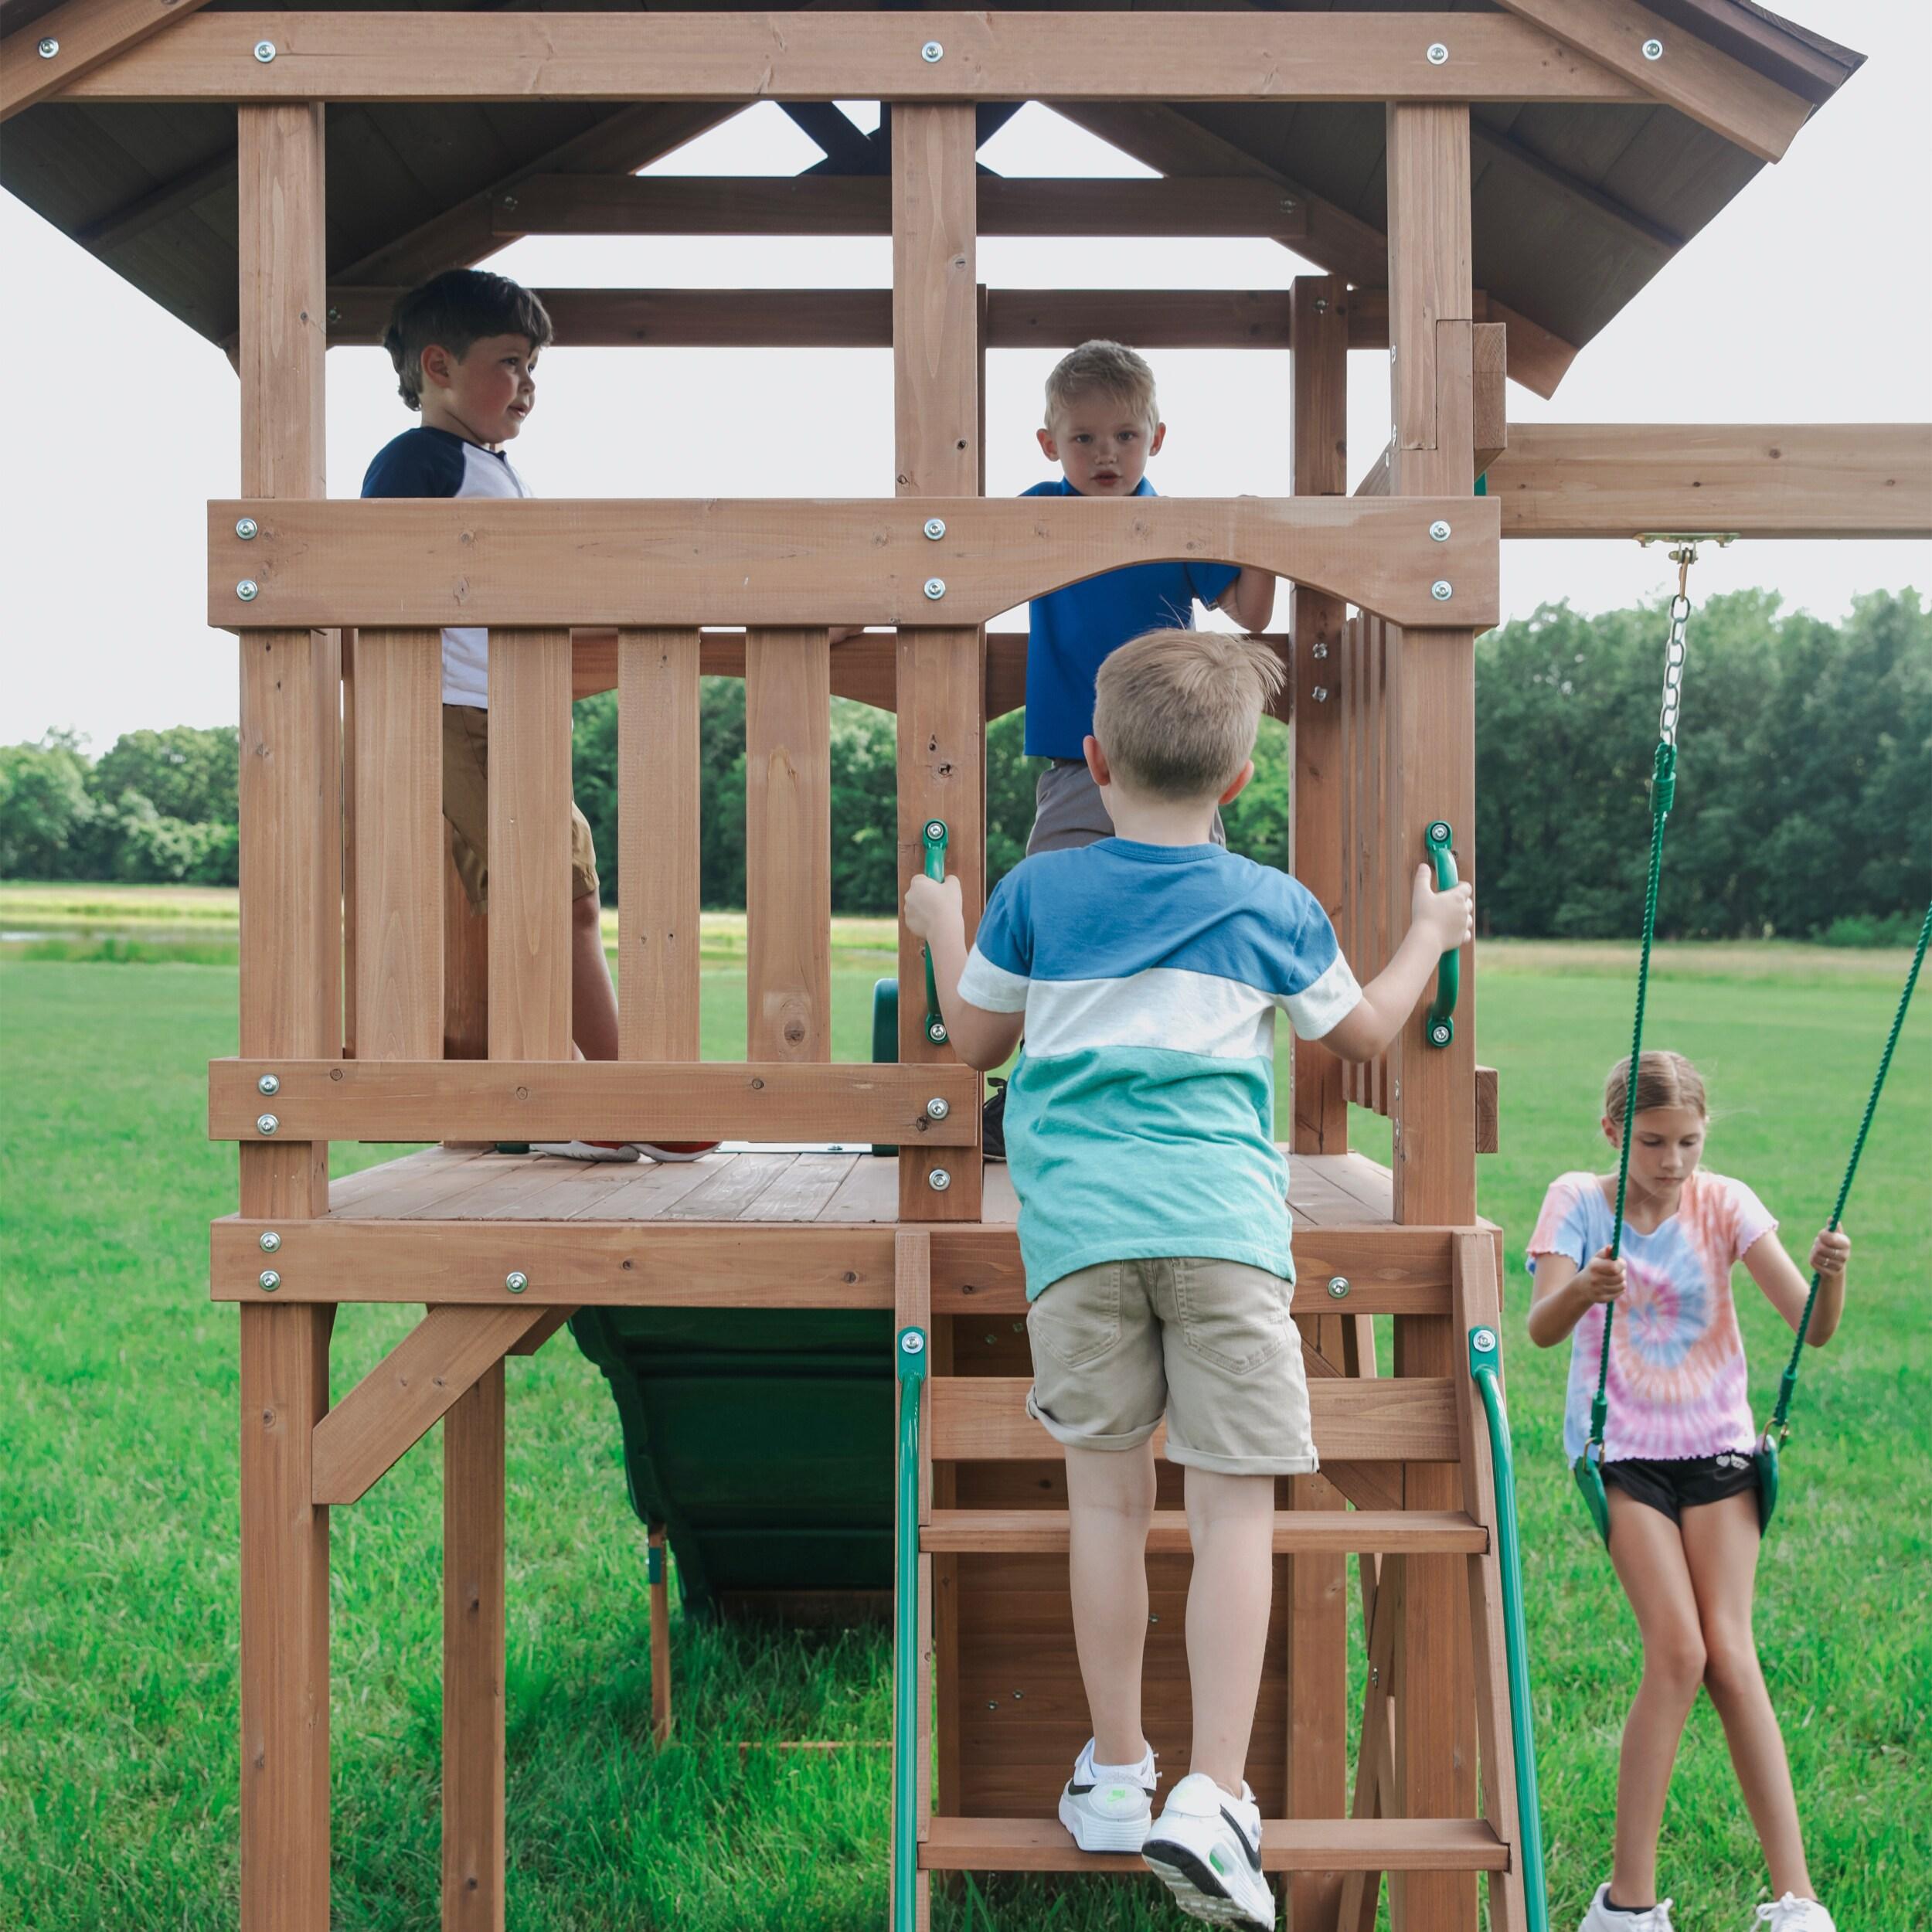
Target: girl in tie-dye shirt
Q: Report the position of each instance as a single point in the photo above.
(1677, 1459)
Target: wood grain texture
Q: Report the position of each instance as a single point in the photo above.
(1326, 1532)
(935, 333)
(473, 1657)
(658, 845)
(1287, 1845)
(788, 845)
(393, 1407)
(86, 33)
(1319, 309)
(530, 846)
(801, 56)
(398, 844)
(466, 965)
(1691, 76)
(745, 560)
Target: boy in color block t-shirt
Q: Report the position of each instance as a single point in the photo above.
(1146, 971)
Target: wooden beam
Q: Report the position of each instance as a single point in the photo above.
(1324, 1532)
(1671, 64)
(1241, 56)
(416, 1383)
(552, 1099)
(1785, 480)
(1489, 394)
(1339, 242)
(52, 52)
(555, 562)
(862, 205)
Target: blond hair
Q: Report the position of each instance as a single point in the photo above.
(1100, 368)
(1176, 711)
(1663, 1079)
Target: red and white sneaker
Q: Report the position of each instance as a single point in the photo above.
(586, 1150)
(675, 1150)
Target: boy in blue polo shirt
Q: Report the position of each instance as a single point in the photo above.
(1146, 971)
(1103, 423)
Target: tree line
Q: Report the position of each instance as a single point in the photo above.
(1803, 804)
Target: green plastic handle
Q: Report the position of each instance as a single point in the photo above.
(910, 1352)
(1484, 1360)
(935, 836)
(1442, 1027)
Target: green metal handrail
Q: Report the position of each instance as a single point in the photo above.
(935, 838)
(1485, 1362)
(910, 1353)
(1442, 1027)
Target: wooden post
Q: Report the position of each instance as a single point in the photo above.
(1319, 332)
(473, 1658)
(942, 675)
(290, 1004)
(466, 966)
(1431, 748)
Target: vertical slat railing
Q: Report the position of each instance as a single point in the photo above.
(397, 768)
(941, 672)
(657, 846)
(788, 844)
(290, 951)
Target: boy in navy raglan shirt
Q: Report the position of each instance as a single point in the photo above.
(1146, 971)
(465, 347)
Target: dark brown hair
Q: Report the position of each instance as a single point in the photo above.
(456, 310)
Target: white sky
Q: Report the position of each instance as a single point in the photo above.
(1807, 300)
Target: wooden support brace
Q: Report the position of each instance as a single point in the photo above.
(417, 1382)
(57, 48)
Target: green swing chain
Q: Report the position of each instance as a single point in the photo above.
(1663, 793)
(1788, 1383)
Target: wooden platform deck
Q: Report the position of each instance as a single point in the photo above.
(798, 1184)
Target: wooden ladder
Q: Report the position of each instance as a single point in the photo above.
(1014, 1612)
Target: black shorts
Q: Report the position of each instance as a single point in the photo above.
(1672, 1488)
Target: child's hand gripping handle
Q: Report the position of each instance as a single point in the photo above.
(935, 838)
(1440, 1028)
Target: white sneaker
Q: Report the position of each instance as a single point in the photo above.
(586, 1150)
(1791, 1914)
(1207, 1848)
(1601, 1918)
(1109, 1807)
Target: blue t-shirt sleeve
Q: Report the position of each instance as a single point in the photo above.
(418, 462)
(1209, 581)
(1321, 989)
(1000, 965)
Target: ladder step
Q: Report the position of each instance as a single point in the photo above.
(1431, 1532)
(1287, 1845)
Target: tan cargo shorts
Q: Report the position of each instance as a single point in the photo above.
(466, 805)
(1208, 1344)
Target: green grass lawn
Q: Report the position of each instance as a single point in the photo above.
(117, 1515)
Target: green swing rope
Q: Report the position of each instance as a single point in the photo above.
(1788, 1384)
(1663, 793)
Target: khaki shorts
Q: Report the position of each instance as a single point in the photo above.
(466, 805)
(1208, 1343)
(1069, 812)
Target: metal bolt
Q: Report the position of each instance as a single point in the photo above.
(1319, 694)
(270, 1281)
(1288, 204)
(934, 829)
(932, 53)
(912, 1342)
(245, 528)
(266, 1123)
(246, 589)
(1438, 53)
(269, 1083)
(1442, 590)
(1153, 1619)
(939, 1180)
(935, 589)
(936, 1031)
(1484, 1340)
(1321, 304)
(334, 316)
(510, 204)
(1653, 50)
(935, 528)
(270, 1242)
(1440, 1034)
(938, 1107)
(1375, 1673)
(1338, 1287)
(1320, 650)
(264, 51)
(516, 1281)
(1438, 531)
(49, 47)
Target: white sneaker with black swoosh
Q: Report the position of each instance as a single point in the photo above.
(1109, 1807)
(1207, 1847)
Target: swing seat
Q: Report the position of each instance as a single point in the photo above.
(1765, 1456)
(1589, 1471)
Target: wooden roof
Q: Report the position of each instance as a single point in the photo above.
(1575, 206)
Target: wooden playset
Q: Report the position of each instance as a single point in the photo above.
(273, 178)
